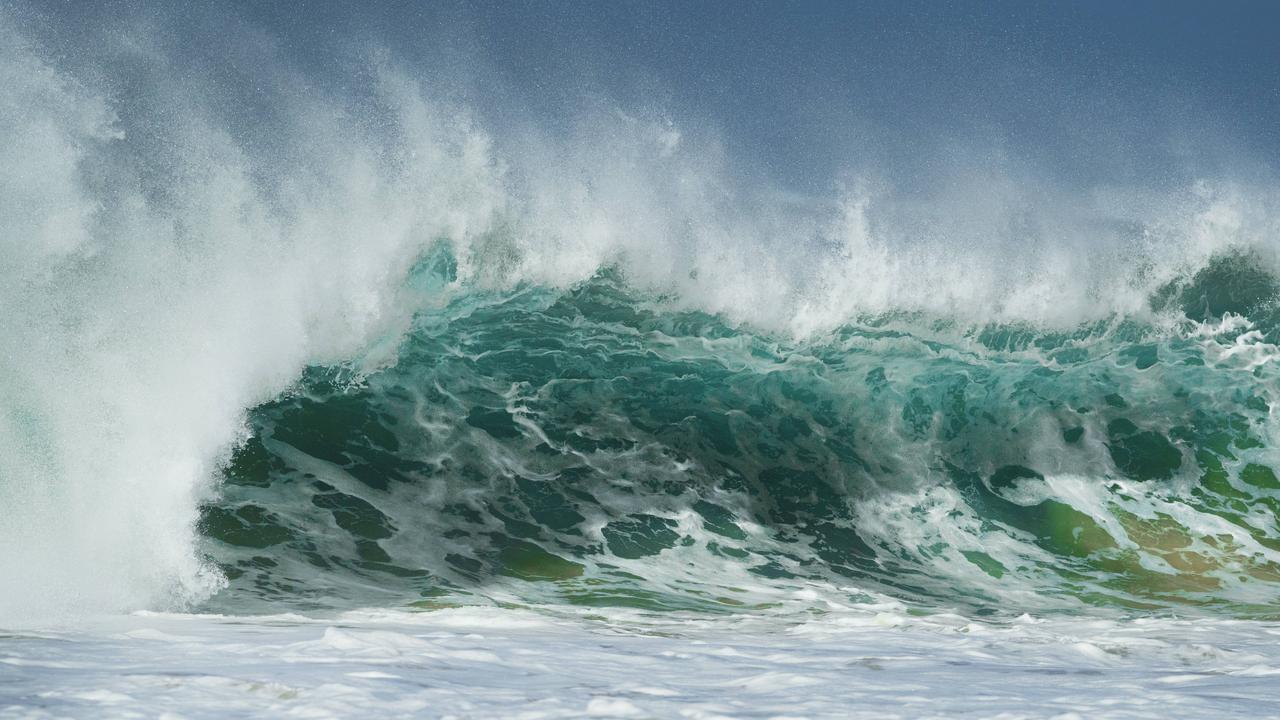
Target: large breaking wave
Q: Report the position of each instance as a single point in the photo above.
(268, 342)
(594, 446)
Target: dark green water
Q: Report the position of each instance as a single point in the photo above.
(596, 445)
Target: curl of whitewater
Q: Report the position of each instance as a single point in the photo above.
(597, 369)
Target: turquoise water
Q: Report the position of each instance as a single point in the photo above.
(419, 362)
(597, 446)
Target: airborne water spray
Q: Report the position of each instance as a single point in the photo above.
(161, 275)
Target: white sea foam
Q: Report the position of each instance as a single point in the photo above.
(556, 663)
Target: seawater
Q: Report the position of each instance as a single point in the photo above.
(875, 661)
(327, 393)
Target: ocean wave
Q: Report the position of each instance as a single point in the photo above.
(594, 365)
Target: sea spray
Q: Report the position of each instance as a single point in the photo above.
(163, 275)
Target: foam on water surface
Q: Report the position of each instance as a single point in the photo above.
(874, 662)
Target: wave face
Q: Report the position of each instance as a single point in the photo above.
(293, 325)
(594, 446)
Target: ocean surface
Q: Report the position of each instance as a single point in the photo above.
(340, 398)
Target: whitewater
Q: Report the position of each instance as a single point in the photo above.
(339, 387)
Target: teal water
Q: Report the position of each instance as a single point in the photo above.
(598, 446)
(453, 360)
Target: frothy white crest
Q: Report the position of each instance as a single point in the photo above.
(992, 243)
